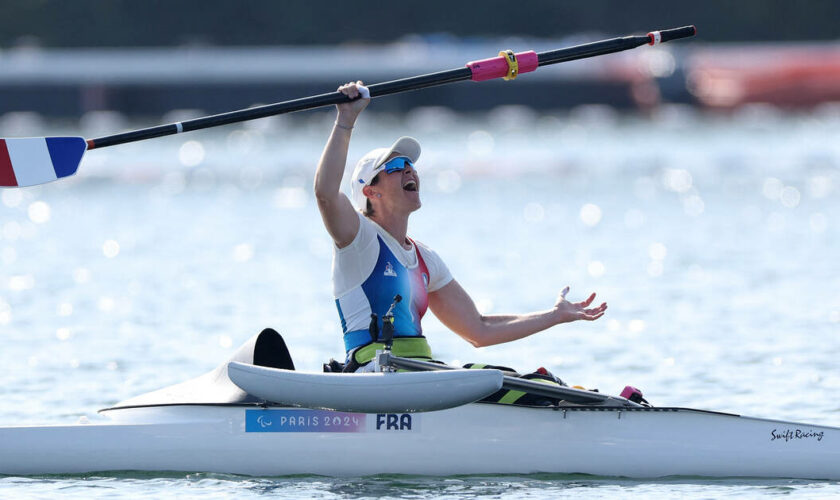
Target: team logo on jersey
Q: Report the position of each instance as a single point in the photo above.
(389, 270)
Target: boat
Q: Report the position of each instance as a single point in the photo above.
(799, 76)
(211, 424)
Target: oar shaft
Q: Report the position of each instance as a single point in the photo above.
(614, 45)
(478, 71)
(420, 82)
(305, 103)
(591, 49)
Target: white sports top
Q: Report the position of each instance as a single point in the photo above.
(353, 266)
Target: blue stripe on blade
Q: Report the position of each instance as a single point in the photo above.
(66, 154)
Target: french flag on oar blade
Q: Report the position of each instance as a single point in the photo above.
(36, 160)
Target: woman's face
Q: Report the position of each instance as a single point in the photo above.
(398, 191)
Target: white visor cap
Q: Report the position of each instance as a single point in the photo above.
(371, 164)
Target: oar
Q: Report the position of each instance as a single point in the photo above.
(37, 160)
(516, 384)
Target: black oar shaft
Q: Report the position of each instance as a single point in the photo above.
(420, 82)
(385, 88)
(591, 49)
(305, 103)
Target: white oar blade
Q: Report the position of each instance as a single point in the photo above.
(29, 161)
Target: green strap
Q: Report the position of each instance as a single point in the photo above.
(511, 397)
(404, 347)
(508, 397)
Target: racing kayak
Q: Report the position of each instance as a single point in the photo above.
(211, 424)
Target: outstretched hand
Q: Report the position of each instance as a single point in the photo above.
(566, 311)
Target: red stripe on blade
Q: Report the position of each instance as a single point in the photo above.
(7, 173)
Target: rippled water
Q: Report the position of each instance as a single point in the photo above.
(713, 238)
(502, 487)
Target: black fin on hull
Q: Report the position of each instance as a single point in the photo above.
(270, 350)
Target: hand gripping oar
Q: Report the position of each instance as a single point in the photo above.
(37, 160)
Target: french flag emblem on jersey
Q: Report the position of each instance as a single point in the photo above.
(36, 160)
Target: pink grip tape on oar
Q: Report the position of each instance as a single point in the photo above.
(499, 67)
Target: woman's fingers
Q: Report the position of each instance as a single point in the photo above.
(588, 301)
(592, 317)
(602, 307)
(351, 89)
(580, 310)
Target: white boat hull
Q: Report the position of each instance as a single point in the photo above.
(472, 439)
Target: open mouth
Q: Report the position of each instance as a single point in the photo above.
(410, 186)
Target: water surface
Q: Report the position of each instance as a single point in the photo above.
(713, 239)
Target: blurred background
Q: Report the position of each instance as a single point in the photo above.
(693, 185)
(68, 59)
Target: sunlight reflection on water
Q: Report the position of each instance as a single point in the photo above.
(715, 244)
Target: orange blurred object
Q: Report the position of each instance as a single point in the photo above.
(786, 76)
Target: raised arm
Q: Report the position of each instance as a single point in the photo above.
(338, 214)
(456, 310)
